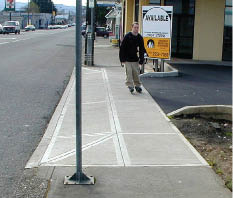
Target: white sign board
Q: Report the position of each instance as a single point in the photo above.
(157, 31)
(10, 5)
(91, 3)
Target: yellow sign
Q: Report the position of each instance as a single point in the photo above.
(157, 47)
(54, 13)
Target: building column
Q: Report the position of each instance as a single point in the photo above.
(162, 2)
(129, 12)
(142, 3)
(208, 30)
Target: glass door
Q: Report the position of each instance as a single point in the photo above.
(227, 37)
(182, 27)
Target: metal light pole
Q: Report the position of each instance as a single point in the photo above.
(89, 55)
(52, 12)
(79, 177)
(28, 12)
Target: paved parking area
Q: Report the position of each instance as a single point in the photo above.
(197, 84)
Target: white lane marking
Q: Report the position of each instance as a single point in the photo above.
(97, 142)
(14, 41)
(115, 123)
(73, 151)
(137, 165)
(7, 38)
(148, 133)
(87, 103)
(58, 127)
(4, 43)
(95, 70)
(85, 134)
(91, 73)
(27, 38)
(97, 134)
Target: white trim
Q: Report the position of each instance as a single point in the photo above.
(57, 130)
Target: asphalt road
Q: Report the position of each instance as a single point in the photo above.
(196, 85)
(35, 67)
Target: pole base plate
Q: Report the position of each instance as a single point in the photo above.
(82, 180)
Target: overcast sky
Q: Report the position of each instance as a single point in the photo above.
(65, 2)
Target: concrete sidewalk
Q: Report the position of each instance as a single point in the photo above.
(129, 144)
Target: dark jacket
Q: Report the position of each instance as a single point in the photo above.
(129, 48)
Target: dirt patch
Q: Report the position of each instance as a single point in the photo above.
(212, 139)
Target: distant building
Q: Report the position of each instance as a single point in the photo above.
(62, 19)
(39, 20)
(114, 20)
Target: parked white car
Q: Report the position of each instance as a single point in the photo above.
(11, 27)
(1, 29)
(30, 27)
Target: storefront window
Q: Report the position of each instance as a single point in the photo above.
(136, 10)
(182, 27)
(228, 3)
(155, 2)
(227, 37)
(182, 6)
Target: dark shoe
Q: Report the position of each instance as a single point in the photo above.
(138, 89)
(131, 89)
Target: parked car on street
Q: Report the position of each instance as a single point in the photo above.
(101, 31)
(30, 27)
(63, 26)
(11, 27)
(1, 29)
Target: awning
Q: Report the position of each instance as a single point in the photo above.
(112, 14)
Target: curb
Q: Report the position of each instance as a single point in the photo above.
(206, 111)
(198, 62)
(183, 138)
(171, 73)
(36, 157)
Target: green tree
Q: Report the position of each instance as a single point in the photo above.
(33, 8)
(45, 6)
(100, 15)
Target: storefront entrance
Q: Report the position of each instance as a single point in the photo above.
(182, 27)
(227, 37)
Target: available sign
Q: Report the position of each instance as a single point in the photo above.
(157, 31)
(9, 5)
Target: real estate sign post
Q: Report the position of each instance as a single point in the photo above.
(157, 31)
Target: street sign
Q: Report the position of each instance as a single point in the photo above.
(157, 31)
(9, 5)
(91, 3)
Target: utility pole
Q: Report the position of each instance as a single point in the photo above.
(28, 12)
(52, 12)
(79, 177)
(89, 52)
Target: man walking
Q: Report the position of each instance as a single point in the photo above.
(130, 46)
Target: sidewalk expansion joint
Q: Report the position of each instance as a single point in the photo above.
(120, 146)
